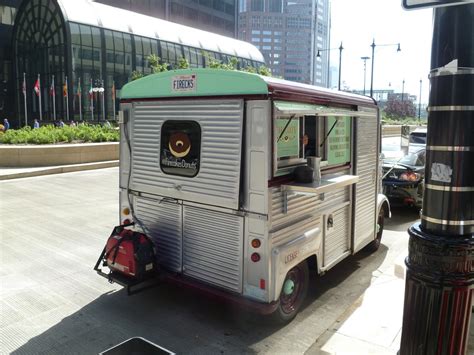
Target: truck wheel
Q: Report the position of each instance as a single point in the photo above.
(375, 244)
(293, 293)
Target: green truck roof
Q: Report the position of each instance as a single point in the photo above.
(195, 82)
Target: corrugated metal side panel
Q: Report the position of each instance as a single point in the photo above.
(213, 247)
(365, 190)
(162, 221)
(281, 236)
(337, 239)
(300, 206)
(219, 175)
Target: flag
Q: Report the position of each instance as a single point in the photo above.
(79, 89)
(24, 86)
(52, 91)
(37, 87)
(113, 90)
(91, 91)
(65, 89)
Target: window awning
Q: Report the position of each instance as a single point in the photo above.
(297, 108)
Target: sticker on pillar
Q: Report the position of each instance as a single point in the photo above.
(441, 172)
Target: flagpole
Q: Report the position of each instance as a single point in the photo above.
(79, 92)
(91, 97)
(24, 96)
(103, 100)
(54, 101)
(39, 96)
(67, 100)
(113, 96)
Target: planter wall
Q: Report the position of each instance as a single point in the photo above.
(61, 154)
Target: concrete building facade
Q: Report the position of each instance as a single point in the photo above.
(289, 33)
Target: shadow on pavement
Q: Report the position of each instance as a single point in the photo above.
(402, 218)
(188, 322)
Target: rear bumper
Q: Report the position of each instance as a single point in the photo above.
(220, 295)
(406, 194)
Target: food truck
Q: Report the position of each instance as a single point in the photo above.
(244, 182)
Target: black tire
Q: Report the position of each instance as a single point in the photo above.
(292, 294)
(375, 244)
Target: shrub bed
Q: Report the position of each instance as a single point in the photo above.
(54, 135)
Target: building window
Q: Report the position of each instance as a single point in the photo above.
(275, 6)
(257, 5)
(7, 15)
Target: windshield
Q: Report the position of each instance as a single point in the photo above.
(417, 159)
(418, 138)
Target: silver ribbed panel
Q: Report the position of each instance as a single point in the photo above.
(213, 247)
(281, 236)
(218, 180)
(365, 190)
(337, 239)
(300, 206)
(162, 222)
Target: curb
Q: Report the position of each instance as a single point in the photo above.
(39, 171)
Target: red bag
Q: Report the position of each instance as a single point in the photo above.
(130, 253)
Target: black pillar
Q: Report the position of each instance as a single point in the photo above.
(440, 262)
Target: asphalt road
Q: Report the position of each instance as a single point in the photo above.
(52, 302)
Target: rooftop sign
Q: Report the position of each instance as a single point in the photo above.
(415, 4)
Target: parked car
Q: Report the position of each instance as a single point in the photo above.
(417, 140)
(403, 179)
(391, 152)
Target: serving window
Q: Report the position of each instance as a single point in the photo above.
(298, 137)
(288, 142)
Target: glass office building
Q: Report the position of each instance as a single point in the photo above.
(8, 10)
(98, 46)
(210, 15)
(290, 34)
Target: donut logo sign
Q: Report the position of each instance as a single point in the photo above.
(180, 148)
(179, 144)
(183, 83)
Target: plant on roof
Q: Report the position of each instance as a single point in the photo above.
(156, 65)
(183, 63)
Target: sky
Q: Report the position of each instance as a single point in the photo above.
(356, 23)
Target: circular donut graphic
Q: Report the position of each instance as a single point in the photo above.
(179, 144)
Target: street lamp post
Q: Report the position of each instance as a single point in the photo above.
(439, 280)
(340, 65)
(340, 61)
(419, 103)
(365, 67)
(403, 89)
(373, 53)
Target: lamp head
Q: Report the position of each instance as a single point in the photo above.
(318, 54)
(398, 48)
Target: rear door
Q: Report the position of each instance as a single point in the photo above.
(188, 150)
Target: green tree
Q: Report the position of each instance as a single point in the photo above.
(398, 108)
(155, 64)
(183, 63)
(136, 75)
